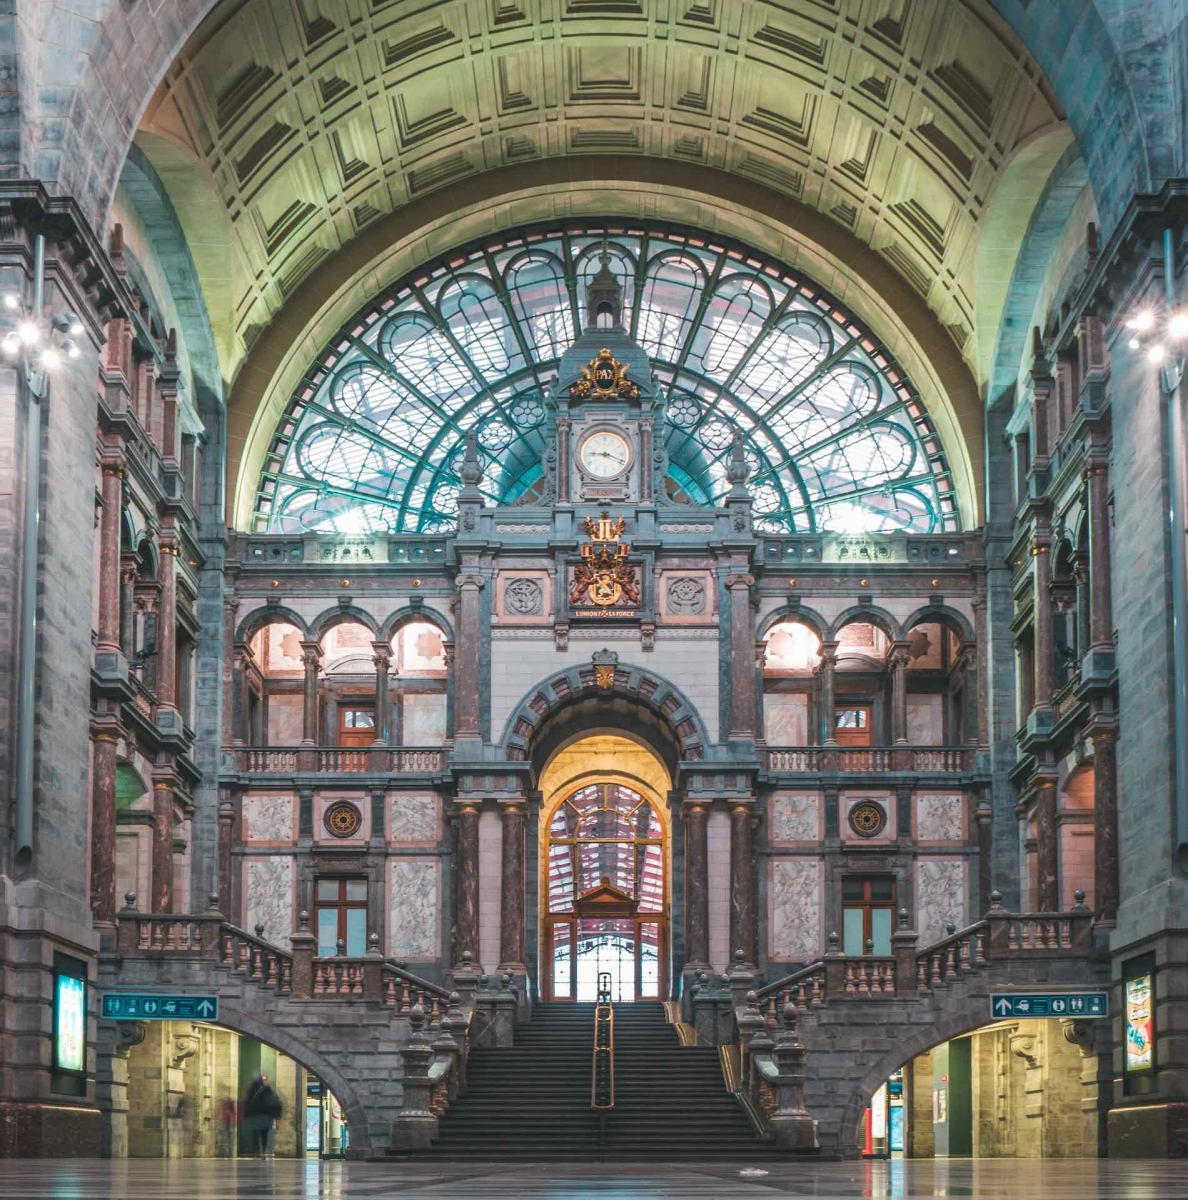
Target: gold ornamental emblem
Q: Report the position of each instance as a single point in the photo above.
(604, 677)
(604, 577)
(604, 378)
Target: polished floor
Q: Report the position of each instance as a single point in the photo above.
(988, 1179)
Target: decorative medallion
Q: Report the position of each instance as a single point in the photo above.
(868, 819)
(604, 577)
(686, 596)
(604, 378)
(343, 819)
(523, 597)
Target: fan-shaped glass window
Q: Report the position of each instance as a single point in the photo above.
(837, 437)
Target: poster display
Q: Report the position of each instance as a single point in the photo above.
(70, 1023)
(1140, 1024)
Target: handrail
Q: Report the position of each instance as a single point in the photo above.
(427, 985)
(602, 1068)
(788, 980)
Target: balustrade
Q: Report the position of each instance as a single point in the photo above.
(339, 760)
(800, 760)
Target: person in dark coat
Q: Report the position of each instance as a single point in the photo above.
(261, 1107)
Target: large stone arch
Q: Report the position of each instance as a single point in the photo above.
(944, 614)
(339, 615)
(269, 614)
(674, 726)
(870, 614)
(411, 612)
(796, 613)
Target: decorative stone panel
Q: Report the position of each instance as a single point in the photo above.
(795, 817)
(940, 897)
(850, 801)
(414, 905)
(268, 896)
(795, 890)
(414, 818)
(523, 597)
(325, 802)
(940, 817)
(686, 597)
(269, 820)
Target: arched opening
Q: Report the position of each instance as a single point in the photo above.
(605, 872)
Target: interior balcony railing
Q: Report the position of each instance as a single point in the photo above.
(339, 760)
(870, 760)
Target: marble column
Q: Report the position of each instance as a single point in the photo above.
(466, 658)
(109, 560)
(742, 657)
(1101, 634)
(563, 425)
(226, 843)
(984, 816)
(1047, 898)
(167, 626)
(382, 660)
(645, 460)
(231, 669)
(697, 887)
(971, 710)
(828, 654)
(1105, 826)
(311, 659)
(162, 856)
(466, 919)
(128, 575)
(1044, 680)
(103, 825)
(511, 919)
(899, 659)
(742, 884)
(1084, 605)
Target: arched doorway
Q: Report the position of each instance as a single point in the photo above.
(605, 895)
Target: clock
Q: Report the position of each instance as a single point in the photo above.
(604, 454)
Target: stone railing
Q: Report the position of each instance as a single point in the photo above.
(800, 760)
(379, 760)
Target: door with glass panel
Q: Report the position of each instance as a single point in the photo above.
(340, 914)
(606, 897)
(356, 726)
(868, 914)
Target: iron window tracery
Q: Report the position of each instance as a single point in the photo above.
(837, 437)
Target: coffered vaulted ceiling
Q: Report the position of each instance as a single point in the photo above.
(312, 118)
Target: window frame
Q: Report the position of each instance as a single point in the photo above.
(867, 905)
(341, 906)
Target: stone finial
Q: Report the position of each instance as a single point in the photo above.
(416, 1018)
(212, 901)
(373, 943)
(471, 469)
(467, 957)
(340, 947)
(455, 999)
(303, 921)
(738, 470)
(130, 901)
(483, 980)
(950, 928)
(834, 943)
(504, 982)
(902, 917)
(1078, 900)
(260, 930)
(870, 945)
(788, 1014)
(752, 998)
(740, 957)
(995, 900)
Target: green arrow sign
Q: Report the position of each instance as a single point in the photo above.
(153, 1006)
(1049, 1004)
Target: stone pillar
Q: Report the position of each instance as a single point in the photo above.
(563, 427)
(226, 841)
(1101, 634)
(311, 659)
(828, 663)
(128, 574)
(1043, 617)
(162, 856)
(792, 1127)
(511, 919)
(1105, 826)
(971, 716)
(1084, 605)
(466, 659)
(645, 460)
(1047, 898)
(231, 667)
(742, 657)
(383, 660)
(899, 659)
(103, 824)
(466, 918)
(984, 817)
(167, 625)
(108, 582)
(742, 884)
(697, 887)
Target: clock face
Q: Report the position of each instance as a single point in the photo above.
(605, 455)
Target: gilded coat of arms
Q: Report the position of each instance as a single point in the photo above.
(604, 378)
(604, 577)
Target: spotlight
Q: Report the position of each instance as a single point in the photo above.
(1177, 327)
(71, 348)
(12, 301)
(1134, 343)
(29, 333)
(76, 326)
(12, 343)
(51, 358)
(1156, 355)
(1142, 322)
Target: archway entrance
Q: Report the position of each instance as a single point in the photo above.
(606, 896)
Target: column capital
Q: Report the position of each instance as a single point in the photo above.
(738, 579)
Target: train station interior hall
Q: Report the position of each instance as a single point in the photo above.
(593, 597)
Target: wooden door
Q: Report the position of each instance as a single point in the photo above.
(356, 725)
(853, 725)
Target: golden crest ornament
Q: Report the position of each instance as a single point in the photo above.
(604, 378)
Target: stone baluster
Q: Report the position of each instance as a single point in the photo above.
(511, 918)
(466, 918)
(696, 887)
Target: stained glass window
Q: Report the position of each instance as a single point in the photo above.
(837, 437)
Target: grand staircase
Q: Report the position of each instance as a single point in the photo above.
(533, 1099)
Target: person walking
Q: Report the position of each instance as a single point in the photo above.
(261, 1108)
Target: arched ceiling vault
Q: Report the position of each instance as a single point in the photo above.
(305, 121)
(571, 189)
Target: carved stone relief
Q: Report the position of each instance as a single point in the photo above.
(523, 598)
(686, 596)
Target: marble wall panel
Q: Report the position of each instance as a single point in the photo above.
(940, 897)
(785, 719)
(268, 897)
(424, 719)
(795, 887)
(413, 818)
(268, 818)
(490, 887)
(795, 817)
(413, 905)
(940, 817)
(718, 875)
(285, 716)
(926, 720)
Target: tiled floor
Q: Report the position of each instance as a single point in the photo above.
(1066, 1179)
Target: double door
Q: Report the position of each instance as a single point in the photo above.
(632, 950)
